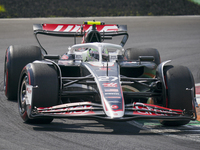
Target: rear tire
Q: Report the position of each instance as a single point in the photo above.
(134, 53)
(16, 58)
(178, 78)
(46, 79)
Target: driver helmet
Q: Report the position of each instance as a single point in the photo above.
(94, 54)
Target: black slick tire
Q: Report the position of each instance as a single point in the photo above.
(179, 82)
(132, 54)
(16, 58)
(44, 77)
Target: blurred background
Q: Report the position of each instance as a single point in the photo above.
(91, 8)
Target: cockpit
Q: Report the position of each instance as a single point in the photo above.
(96, 52)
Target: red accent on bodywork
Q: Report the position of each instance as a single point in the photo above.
(144, 109)
(110, 84)
(64, 57)
(117, 110)
(24, 115)
(104, 68)
(156, 106)
(6, 82)
(77, 27)
(77, 112)
(69, 110)
(148, 113)
(111, 90)
(114, 107)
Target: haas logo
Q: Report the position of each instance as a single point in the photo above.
(110, 84)
(114, 107)
(28, 90)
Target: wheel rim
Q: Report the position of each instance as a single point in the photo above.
(23, 95)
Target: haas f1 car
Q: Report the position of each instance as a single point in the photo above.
(95, 79)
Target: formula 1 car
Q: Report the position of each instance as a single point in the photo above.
(95, 79)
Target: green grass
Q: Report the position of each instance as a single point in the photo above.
(195, 1)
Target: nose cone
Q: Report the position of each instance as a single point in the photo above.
(108, 82)
(113, 108)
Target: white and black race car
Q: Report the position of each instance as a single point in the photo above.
(96, 79)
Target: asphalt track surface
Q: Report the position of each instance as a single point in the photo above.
(177, 38)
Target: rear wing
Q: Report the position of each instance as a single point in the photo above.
(80, 30)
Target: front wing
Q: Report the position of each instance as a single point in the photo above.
(92, 110)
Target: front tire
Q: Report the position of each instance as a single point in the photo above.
(179, 83)
(44, 77)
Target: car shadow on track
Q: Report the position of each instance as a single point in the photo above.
(91, 127)
(106, 127)
(115, 128)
